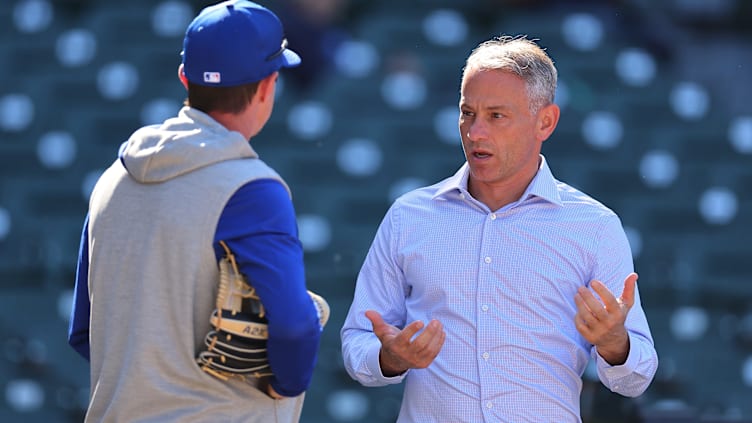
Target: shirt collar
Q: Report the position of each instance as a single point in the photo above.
(543, 185)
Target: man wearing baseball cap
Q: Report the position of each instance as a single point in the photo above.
(146, 282)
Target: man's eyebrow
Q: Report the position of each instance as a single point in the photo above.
(493, 107)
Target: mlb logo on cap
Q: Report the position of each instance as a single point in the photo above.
(212, 77)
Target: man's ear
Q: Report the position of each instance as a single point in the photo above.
(181, 76)
(548, 118)
(266, 87)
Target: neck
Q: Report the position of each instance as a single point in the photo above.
(493, 196)
(498, 194)
(242, 122)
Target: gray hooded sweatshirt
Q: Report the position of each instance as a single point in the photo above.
(153, 277)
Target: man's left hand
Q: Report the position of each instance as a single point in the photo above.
(601, 321)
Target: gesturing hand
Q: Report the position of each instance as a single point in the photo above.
(601, 322)
(399, 351)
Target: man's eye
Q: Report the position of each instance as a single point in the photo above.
(466, 113)
(497, 115)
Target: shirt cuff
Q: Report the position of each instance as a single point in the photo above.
(372, 361)
(620, 370)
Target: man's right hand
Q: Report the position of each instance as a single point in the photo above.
(400, 351)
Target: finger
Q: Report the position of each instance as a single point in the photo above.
(434, 348)
(383, 330)
(591, 304)
(582, 308)
(406, 335)
(584, 320)
(628, 295)
(428, 353)
(380, 327)
(439, 343)
(607, 297)
(582, 326)
(375, 319)
(432, 332)
(272, 393)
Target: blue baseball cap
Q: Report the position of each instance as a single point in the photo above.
(235, 42)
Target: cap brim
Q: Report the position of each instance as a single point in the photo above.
(291, 59)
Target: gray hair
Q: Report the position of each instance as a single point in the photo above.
(522, 57)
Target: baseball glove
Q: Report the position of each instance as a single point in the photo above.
(236, 344)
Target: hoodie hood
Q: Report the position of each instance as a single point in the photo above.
(180, 145)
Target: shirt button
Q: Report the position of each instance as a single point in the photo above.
(489, 404)
(486, 355)
(487, 260)
(484, 307)
(462, 196)
(493, 216)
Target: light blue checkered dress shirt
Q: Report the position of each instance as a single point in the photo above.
(503, 284)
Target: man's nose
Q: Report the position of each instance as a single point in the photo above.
(477, 130)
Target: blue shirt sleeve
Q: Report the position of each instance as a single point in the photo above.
(260, 227)
(78, 328)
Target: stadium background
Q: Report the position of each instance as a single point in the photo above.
(656, 123)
